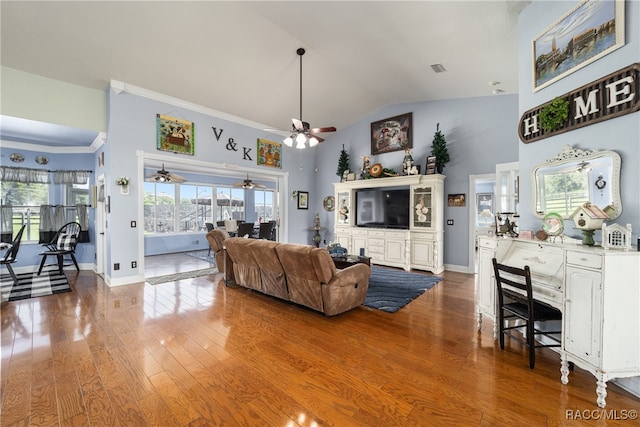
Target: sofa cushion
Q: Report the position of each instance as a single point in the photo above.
(271, 271)
(302, 280)
(245, 266)
(216, 240)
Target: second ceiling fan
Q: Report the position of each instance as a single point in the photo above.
(248, 184)
(302, 131)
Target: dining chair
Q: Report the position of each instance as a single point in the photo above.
(12, 253)
(63, 243)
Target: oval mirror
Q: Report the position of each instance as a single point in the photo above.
(575, 177)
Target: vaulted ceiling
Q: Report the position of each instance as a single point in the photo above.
(240, 57)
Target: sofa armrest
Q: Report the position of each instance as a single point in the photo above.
(346, 290)
(357, 273)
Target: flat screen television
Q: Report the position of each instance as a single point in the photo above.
(382, 208)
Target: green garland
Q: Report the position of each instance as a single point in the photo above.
(554, 114)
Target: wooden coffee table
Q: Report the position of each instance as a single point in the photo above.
(349, 260)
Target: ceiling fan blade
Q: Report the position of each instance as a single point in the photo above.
(177, 178)
(259, 185)
(325, 129)
(297, 124)
(275, 130)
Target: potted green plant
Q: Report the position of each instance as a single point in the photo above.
(343, 164)
(439, 149)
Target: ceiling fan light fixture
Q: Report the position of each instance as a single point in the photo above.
(288, 141)
(301, 138)
(313, 141)
(300, 144)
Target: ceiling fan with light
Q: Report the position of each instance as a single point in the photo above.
(166, 176)
(302, 131)
(248, 184)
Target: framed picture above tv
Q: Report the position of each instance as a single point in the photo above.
(392, 134)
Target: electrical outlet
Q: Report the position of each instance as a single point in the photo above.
(449, 222)
(134, 264)
(116, 266)
(133, 224)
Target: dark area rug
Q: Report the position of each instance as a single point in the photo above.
(30, 285)
(390, 290)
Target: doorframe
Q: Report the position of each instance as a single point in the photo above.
(100, 227)
(280, 178)
(473, 182)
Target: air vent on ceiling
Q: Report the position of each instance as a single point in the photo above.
(438, 68)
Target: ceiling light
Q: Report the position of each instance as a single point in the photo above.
(497, 91)
(288, 141)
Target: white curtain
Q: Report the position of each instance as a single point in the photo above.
(13, 174)
(6, 224)
(83, 219)
(70, 177)
(47, 227)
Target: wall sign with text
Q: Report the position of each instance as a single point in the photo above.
(607, 98)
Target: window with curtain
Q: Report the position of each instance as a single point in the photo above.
(26, 199)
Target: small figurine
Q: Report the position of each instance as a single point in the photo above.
(407, 162)
(366, 165)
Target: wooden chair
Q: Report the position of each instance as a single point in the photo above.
(63, 243)
(245, 228)
(515, 302)
(12, 253)
(267, 230)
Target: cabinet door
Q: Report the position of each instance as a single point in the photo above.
(358, 242)
(581, 317)
(422, 253)
(343, 208)
(486, 282)
(394, 251)
(422, 212)
(344, 239)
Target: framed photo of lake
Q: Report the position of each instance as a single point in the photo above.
(585, 34)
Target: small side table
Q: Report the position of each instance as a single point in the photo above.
(317, 238)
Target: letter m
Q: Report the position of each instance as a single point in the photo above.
(590, 107)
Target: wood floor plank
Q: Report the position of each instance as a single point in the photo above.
(196, 352)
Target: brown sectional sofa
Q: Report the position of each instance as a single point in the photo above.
(301, 274)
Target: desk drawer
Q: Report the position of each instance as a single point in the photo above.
(375, 250)
(487, 243)
(583, 259)
(376, 233)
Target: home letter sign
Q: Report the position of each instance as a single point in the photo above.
(612, 96)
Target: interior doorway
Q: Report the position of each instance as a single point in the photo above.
(482, 192)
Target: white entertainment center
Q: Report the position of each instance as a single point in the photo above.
(418, 246)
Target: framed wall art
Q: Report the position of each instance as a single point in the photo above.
(269, 153)
(585, 34)
(175, 135)
(458, 200)
(484, 201)
(303, 200)
(392, 134)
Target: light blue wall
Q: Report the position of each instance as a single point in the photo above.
(85, 252)
(132, 127)
(480, 132)
(620, 134)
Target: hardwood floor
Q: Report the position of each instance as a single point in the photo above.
(195, 352)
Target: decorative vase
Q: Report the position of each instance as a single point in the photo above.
(440, 168)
